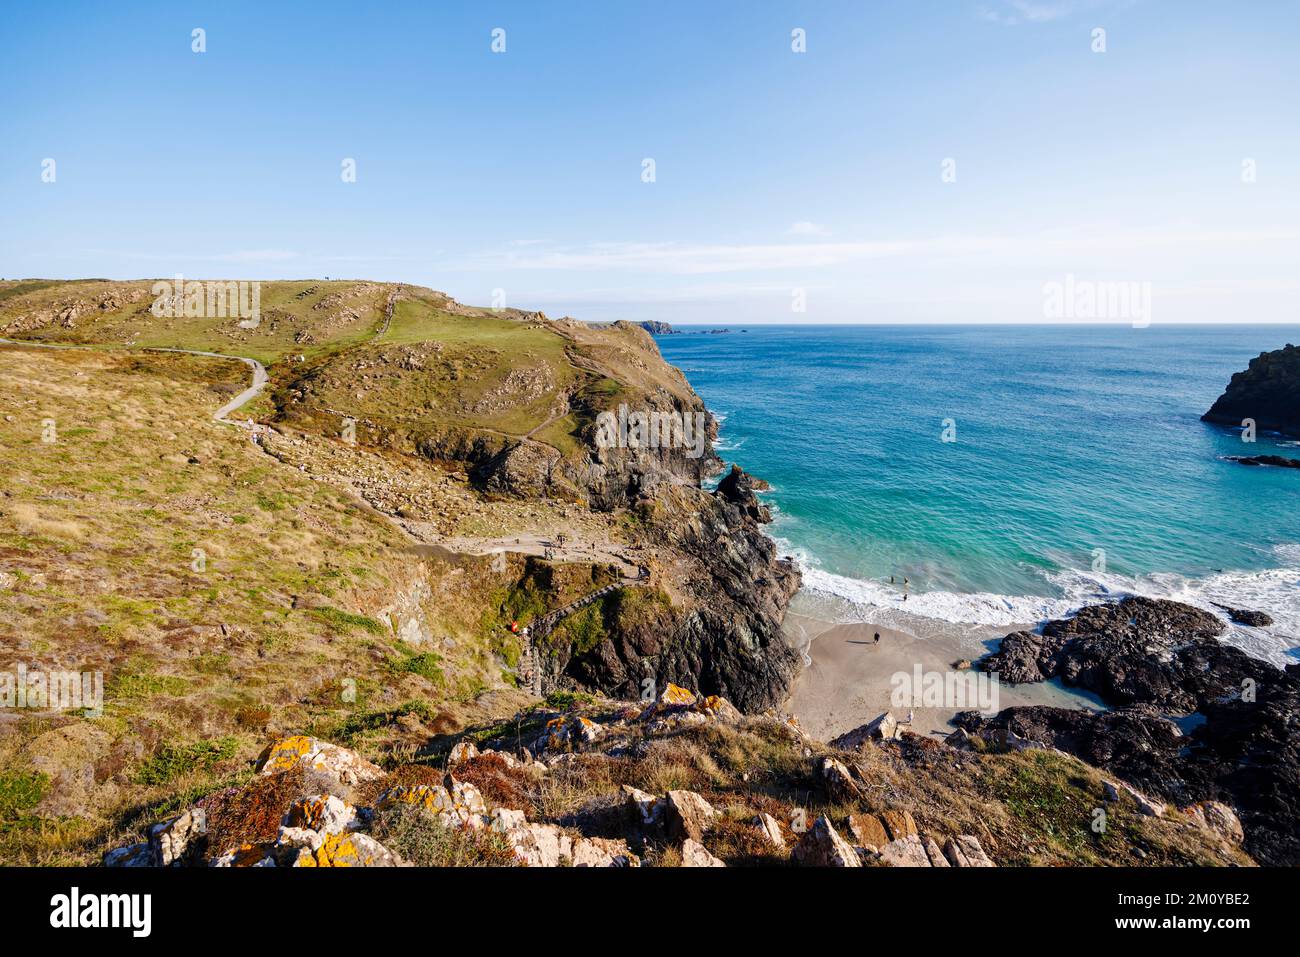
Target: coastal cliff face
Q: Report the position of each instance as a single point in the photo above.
(1196, 719)
(721, 633)
(657, 328)
(1268, 391)
(584, 422)
(423, 478)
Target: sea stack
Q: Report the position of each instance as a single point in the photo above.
(1268, 391)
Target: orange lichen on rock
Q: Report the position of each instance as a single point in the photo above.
(674, 695)
(247, 855)
(299, 750)
(348, 850)
(284, 754)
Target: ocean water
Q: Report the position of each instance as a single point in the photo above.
(1080, 468)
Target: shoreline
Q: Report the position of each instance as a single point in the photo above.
(846, 680)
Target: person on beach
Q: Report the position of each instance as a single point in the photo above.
(877, 637)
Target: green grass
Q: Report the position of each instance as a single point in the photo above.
(346, 621)
(428, 665)
(287, 309)
(564, 700)
(421, 839)
(1053, 806)
(583, 630)
(136, 685)
(354, 727)
(26, 287)
(20, 791)
(459, 384)
(172, 761)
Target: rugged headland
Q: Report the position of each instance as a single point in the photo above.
(421, 520)
(1268, 391)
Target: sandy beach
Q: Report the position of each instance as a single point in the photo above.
(848, 682)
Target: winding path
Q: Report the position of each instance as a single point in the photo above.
(259, 371)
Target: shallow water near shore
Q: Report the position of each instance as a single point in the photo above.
(1080, 471)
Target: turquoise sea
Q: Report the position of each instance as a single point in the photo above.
(1080, 467)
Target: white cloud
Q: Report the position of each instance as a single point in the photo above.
(805, 228)
(1038, 12)
(1011, 12)
(671, 258)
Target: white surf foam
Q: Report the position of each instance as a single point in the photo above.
(1272, 590)
(978, 608)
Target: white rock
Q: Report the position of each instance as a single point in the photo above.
(463, 751)
(695, 854)
(770, 828)
(299, 750)
(905, 852)
(324, 813)
(175, 840)
(822, 846)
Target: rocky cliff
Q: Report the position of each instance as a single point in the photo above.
(1196, 719)
(677, 781)
(520, 417)
(722, 633)
(1268, 391)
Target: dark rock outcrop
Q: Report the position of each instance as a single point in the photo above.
(1268, 391)
(725, 638)
(740, 489)
(1156, 659)
(1245, 616)
(1277, 461)
(656, 328)
(1139, 650)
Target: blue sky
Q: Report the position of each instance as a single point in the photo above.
(775, 171)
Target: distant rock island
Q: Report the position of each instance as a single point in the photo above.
(1278, 461)
(1268, 391)
(656, 328)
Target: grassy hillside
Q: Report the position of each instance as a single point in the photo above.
(307, 317)
(437, 366)
(222, 594)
